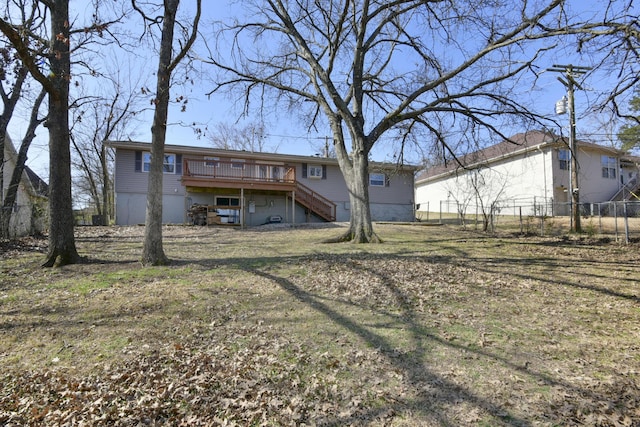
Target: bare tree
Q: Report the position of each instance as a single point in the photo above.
(55, 58)
(249, 137)
(459, 191)
(103, 116)
(56, 83)
(629, 133)
(487, 186)
(369, 68)
(153, 252)
(13, 89)
(9, 199)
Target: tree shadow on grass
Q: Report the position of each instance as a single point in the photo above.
(411, 366)
(412, 362)
(523, 269)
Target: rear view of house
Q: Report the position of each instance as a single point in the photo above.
(227, 187)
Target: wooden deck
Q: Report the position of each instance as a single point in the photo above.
(243, 174)
(215, 173)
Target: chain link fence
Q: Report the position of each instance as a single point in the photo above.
(619, 221)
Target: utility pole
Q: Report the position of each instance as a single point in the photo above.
(570, 72)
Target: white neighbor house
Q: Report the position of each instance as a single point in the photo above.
(532, 173)
(28, 215)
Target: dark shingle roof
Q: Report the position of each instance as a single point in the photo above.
(41, 187)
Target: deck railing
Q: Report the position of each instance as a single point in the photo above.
(239, 170)
(628, 191)
(316, 202)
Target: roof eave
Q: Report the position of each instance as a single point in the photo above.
(185, 149)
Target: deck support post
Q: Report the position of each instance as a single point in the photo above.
(293, 207)
(242, 208)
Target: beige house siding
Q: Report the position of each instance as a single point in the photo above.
(391, 202)
(128, 180)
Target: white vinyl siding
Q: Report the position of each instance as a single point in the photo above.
(608, 167)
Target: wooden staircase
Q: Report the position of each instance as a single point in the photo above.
(629, 191)
(316, 203)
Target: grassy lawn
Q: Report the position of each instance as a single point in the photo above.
(435, 327)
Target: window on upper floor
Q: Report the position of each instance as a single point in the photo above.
(564, 157)
(314, 172)
(237, 163)
(377, 180)
(609, 165)
(169, 165)
(211, 162)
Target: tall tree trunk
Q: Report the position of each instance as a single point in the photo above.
(360, 225)
(62, 247)
(5, 213)
(12, 189)
(153, 253)
(355, 169)
(105, 184)
(9, 102)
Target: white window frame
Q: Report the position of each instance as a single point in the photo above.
(564, 157)
(379, 182)
(609, 166)
(314, 172)
(212, 162)
(169, 163)
(146, 161)
(168, 167)
(237, 163)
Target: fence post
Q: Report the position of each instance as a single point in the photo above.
(600, 216)
(626, 222)
(521, 225)
(440, 211)
(615, 218)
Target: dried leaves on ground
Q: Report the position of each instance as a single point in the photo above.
(268, 326)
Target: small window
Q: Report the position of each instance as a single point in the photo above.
(314, 172)
(227, 201)
(237, 163)
(608, 167)
(564, 157)
(168, 166)
(146, 162)
(211, 162)
(377, 179)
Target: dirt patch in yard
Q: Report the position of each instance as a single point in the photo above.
(436, 327)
